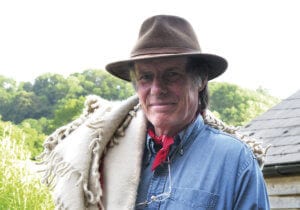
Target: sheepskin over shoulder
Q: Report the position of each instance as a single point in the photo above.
(106, 131)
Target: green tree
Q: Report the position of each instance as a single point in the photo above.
(26, 86)
(237, 106)
(66, 111)
(101, 83)
(7, 92)
(53, 86)
(20, 107)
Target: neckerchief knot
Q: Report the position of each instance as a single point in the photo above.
(166, 142)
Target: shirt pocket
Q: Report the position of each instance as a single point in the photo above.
(194, 199)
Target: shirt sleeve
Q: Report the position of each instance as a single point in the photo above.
(251, 192)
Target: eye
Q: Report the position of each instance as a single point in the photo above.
(172, 75)
(145, 77)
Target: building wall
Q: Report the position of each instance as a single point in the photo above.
(284, 192)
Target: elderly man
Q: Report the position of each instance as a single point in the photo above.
(157, 151)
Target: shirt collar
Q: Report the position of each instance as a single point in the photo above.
(181, 138)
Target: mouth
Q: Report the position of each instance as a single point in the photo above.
(165, 106)
(161, 103)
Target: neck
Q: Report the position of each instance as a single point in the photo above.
(167, 132)
(170, 131)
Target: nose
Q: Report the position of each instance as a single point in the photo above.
(158, 86)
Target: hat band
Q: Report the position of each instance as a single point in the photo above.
(148, 52)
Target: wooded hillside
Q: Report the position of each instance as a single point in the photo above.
(53, 100)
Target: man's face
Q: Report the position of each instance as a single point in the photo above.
(168, 96)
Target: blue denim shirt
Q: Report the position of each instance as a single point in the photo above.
(208, 170)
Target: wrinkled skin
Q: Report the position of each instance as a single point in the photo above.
(167, 93)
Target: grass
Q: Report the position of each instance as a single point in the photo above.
(20, 186)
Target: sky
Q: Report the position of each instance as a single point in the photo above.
(260, 39)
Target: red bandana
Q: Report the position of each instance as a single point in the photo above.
(166, 142)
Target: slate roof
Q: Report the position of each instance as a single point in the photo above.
(280, 128)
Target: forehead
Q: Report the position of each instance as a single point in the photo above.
(160, 63)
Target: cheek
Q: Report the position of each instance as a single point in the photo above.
(142, 94)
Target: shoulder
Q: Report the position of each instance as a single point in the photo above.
(232, 149)
(256, 147)
(224, 139)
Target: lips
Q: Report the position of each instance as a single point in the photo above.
(161, 103)
(162, 106)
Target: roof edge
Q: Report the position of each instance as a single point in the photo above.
(281, 169)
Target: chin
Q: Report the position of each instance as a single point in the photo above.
(161, 122)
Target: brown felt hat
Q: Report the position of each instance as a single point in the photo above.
(167, 36)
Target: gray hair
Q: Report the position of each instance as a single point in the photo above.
(199, 74)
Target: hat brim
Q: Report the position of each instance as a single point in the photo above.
(217, 65)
